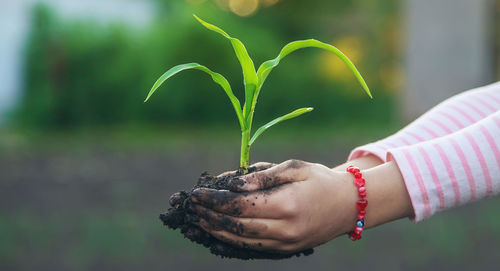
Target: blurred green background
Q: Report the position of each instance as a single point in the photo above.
(82, 74)
(86, 166)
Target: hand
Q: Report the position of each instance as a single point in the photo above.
(280, 209)
(297, 205)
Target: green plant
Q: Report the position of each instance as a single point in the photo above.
(253, 81)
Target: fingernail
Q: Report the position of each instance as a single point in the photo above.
(196, 195)
(199, 193)
(177, 198)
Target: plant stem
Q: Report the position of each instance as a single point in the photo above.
(245, 151)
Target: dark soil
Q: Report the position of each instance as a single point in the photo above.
(179, 217)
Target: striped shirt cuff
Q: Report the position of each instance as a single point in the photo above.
(364, 150)
(414, 183)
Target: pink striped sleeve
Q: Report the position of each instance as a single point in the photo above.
(449, 116)
(452, 170)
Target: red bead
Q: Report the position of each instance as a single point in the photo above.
(352, 169)
(354, 236)
(359, 182)
(362, 203)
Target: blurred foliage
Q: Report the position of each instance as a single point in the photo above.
(80, 73)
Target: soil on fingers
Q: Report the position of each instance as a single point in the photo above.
(178, 216)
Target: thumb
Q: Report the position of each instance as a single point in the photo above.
(254, 167)
(286, 172)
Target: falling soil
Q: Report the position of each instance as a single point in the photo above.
(178, 216)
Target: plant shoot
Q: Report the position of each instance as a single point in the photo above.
(253, 81)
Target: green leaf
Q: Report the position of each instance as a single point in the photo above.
(267, 66)
(249, 74)
(216, 77)
(290, 115)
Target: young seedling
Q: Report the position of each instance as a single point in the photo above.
(253, 81)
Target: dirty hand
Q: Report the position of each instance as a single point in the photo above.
(297, 205)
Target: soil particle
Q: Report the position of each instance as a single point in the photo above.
(180, 216)
(236, 183)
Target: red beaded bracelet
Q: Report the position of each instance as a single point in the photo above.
(360, 204)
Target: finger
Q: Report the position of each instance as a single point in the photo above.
(260, 166)
(255, 167)
(195, 233)
(286, 172)
(261, 204)
(243, 242)
(177, 198)
(246, 227)
(227, 173)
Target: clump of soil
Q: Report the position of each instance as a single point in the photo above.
(179, 217)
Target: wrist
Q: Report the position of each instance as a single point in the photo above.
(387, 196)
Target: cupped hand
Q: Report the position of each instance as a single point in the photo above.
(284, 208)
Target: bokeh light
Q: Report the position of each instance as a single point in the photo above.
(243, 8)
(332, 67)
